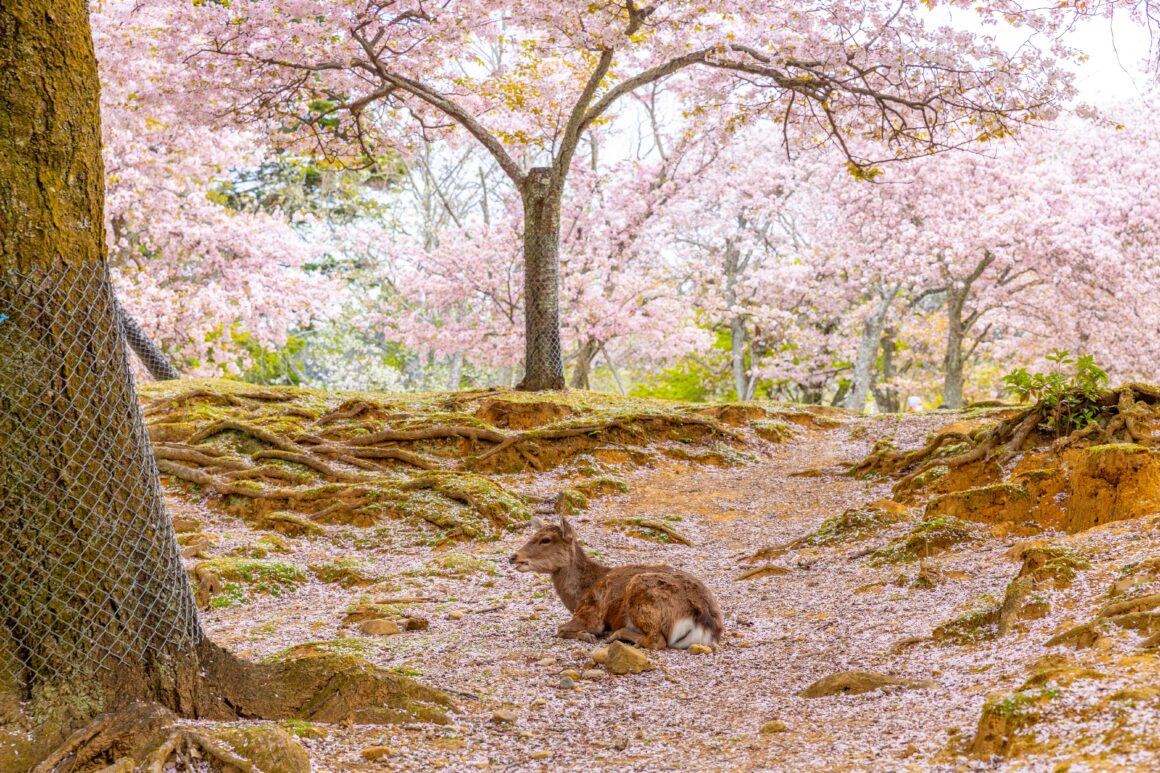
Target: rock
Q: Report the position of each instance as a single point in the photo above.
(572, 673)
(539, 703)
(592, 674)
(415, 624)
(380, 627)
(774, 726)
(599, 655)
(567, 683)
(455, 614)
(626, 659)
(543, 754)
(700, 649)
(377, 752)
(858, 682)
(504, 717)
(546, 662)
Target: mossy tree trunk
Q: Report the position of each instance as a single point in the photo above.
(97, 616)
(93, 597)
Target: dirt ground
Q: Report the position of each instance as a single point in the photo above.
(833, 610)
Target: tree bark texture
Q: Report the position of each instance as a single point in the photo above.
(543, 356)
(95, 607)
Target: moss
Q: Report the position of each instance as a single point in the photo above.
(361, 647)
(300, 728)
(1118, 448)
(347, 572)
(1022, 705)
(572, 501)
(772, 430)
(273, 578)
(928, 537)
(603, 486)
(978, 624)
(457, 565)
(930, 476)
(853, 524)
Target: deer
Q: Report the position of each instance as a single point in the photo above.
(650, 606)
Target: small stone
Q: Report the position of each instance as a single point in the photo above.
(572, 673)
(455, 614)
(626, 659)
(773, 726)
(539, 703)
(620, 744)
(504, 716)
(599, 655)
(545, 662)
(415, 624)
(542, 754)
(700, 649)
(380, 627)
(567, 683)
(377, 752)
(592, 673)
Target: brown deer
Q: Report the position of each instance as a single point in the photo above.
(652, 606)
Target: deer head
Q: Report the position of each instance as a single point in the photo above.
(549, 549)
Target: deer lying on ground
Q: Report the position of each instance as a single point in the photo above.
(652, 606)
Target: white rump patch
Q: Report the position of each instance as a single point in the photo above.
(686, 633)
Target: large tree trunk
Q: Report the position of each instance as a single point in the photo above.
(868, 351)
(152, 358)
(93, 595)
(543, 357)
(96, 611)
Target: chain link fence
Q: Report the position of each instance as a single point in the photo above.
(90, 575)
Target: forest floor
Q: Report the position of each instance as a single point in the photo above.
(831, 605)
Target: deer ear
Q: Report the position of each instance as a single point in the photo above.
(566, 529)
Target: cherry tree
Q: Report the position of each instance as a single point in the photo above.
(878, 80)
(194, 273)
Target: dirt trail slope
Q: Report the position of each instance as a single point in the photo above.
(837, 606)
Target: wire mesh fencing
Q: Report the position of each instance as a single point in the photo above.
(90, 575)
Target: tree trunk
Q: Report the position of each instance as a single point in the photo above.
(953, 359)
(868, 351)
(543, 356)
(96, 610)
(885, 395)
(582, 373)
(455, 371)
(142, 345)
(93, 596)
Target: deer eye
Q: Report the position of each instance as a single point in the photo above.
(545, 540)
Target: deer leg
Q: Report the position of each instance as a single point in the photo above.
(585, 624)
(647, 618)
(626, 635)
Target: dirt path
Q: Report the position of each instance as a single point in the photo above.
(831, 612)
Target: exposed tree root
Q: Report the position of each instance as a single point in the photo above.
(364, 459)
(651, 529)
(214, 685)
(1124, 414)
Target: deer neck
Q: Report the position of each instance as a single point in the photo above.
(574, 580)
